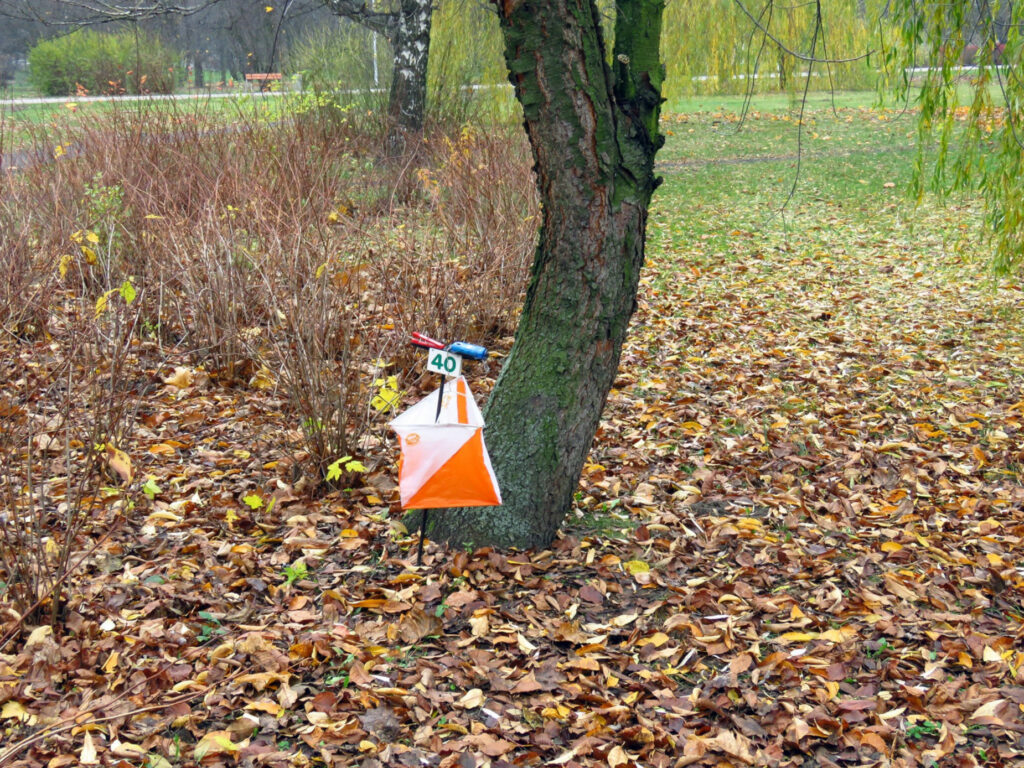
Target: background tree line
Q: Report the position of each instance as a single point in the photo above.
(231, 37)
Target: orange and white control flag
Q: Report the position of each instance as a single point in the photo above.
(444, 461)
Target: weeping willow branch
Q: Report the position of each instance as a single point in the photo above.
(811, 58)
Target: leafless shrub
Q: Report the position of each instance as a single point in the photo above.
(463, 276)
(66, 406)
(282, 252)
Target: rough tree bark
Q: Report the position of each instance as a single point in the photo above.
(594, 134)
(198, 77)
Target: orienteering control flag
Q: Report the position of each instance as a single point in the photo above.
(444, 462)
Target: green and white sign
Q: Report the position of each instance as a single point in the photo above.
(445, 363)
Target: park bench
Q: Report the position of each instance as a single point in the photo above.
(263, 78)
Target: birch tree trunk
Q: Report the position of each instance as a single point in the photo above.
(410, 42)
(407, 29)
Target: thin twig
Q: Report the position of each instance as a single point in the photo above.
(65, 725)
(13, 631)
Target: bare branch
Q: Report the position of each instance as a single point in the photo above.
(381, 22)
(84, 12)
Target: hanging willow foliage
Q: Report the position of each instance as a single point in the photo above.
(718, 46)
(962, 62)
(709, 46)
(467, 68)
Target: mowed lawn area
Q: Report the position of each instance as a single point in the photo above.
(796, 542)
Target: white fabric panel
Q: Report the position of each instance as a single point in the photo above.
(426, 444)
(422, 414)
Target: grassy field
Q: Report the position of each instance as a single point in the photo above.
(797, 536)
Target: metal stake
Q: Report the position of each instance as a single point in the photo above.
(423, 527)
(440, 399)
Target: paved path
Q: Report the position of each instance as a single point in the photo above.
(145, 97)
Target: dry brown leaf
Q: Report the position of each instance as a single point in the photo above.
(88, 755)
(480, 626)
(733, 744)
(472, 699)
(181, 378)
(617, 756)
(418, 624)
(990, 710)
(120, 463)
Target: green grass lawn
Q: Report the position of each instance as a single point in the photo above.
(725, 174)
(802, 238)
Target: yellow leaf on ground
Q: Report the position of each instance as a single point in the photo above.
(262, 379)
(13, 710)
(798, 637)
(266, 705)
(215, 743)
(839, 635)
(658, 639)
(153, 760)
(119, 461)
(111, 663)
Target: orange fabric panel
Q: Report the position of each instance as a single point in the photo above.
(463, 481)
(460, 402)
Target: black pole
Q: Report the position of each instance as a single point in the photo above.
(440, 399)
(423, 527)
(423, 517)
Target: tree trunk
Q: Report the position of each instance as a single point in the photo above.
(410, 42)
(594, 137)
(199, 79)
